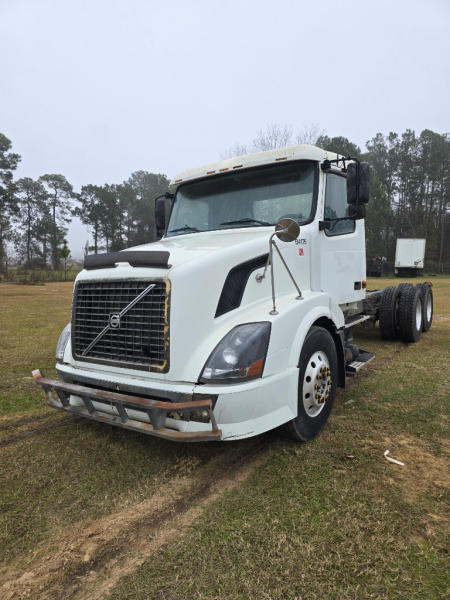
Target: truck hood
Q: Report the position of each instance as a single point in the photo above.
(188, 247)
(199, 267)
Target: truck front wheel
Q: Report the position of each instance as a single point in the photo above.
(318, 374)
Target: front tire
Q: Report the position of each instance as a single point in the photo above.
(318, 374)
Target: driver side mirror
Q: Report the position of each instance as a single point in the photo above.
(160, 213)
(287, 230)
(358, 188)
(160, 216)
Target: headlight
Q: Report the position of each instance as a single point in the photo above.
(239, 356)
(62, 342)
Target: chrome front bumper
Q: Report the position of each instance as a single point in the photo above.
(156, 410)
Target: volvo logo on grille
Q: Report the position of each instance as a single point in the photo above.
(114, 320)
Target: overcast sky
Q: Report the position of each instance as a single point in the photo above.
(98, 89)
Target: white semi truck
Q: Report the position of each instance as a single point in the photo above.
(409, 256)
(240, 319)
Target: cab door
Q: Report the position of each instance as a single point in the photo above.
(342, 245)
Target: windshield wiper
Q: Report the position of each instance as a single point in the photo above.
(184, 228)
(246, 220)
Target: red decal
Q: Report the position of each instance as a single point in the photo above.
(300, 251)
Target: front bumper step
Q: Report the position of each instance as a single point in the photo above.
(155, 409)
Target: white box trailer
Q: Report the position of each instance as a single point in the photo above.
(240, 318)
(409, 256)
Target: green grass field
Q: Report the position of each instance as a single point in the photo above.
(40, 276)
(89, 511)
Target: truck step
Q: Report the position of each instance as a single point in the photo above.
(363, 359)
(355, 320)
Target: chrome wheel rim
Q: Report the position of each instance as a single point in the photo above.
(429, 308)
(317, 383)
(419, 315)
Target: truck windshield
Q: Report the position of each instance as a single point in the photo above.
(254, 198)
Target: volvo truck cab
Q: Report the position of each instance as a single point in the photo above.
(240, 318)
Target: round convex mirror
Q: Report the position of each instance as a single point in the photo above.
(287, 230)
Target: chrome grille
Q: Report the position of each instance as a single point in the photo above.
(140, 340)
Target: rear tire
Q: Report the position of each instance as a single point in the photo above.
(317, 383)
(410, 314)
(404, 286)
(387, 313)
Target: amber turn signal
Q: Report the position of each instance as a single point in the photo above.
(256, 368)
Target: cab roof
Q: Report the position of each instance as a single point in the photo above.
(301, 152)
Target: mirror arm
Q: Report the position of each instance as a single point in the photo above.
(259, 278)
(272, 280)
(299, 297)
(326, 165)
(329, 223)
(166, 195)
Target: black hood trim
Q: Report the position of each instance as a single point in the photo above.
(158, 259)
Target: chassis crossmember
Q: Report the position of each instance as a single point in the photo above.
(156, 410)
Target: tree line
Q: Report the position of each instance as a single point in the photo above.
(35, 213)
(410, 197)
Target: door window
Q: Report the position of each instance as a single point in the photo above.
(336, 206)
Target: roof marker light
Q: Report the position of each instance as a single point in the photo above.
(222, 170)
(237, 166)
(210, 172)
(281, 158)
(178, 180)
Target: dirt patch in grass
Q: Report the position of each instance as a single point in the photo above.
(35, 431)
(84, 470)
(424, 481)
(74, 546)
(7, 423)
(89, 559)
(424, 474)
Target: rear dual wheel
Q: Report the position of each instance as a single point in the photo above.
(410, 314)
(405, 311)
(388, 313)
